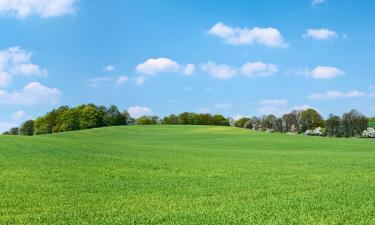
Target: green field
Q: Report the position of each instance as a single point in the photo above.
(371, 124)
(185, 175)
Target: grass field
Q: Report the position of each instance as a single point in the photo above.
(185, 175)
(371, 124)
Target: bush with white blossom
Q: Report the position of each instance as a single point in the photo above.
(369, 133)
(315, 132)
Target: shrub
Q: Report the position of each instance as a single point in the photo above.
(368, 133)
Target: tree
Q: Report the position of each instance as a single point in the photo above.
(13, 131)
(241, 122)
(290, 122)
(354, 123)
(333, 125)
(171, 120)
(310, 119)
(269, 122)
(220, 120)
(27, 128)
(147, 120)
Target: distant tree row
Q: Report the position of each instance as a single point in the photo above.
(64, 118)
(351, 124)
(69, 119)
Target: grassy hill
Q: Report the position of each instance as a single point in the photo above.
(185, 175)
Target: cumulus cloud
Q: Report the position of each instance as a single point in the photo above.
(16, 61)
(157, 65)
(279, 107)
(42, 8)
(323, 72)
(138, 111)
(261, 69)
(107, 81)
(32, 94)
(269, 36)
(331, 94)
(320, 34)
(18, 115)
(220, 71)
(154, 66)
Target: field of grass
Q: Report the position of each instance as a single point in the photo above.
(185, 175)
(371, 124)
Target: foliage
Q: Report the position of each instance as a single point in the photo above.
(27, 128)
(147, 120)
(189, 118)
(241, 122)
(333, 125)
(354, 123)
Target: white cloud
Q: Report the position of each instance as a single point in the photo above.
(121, 80)
(269, 36)
(320, 34)
(42, 8)
(189, 69)
(138, 111)
(18, 115)
(107, 80)
(32, 94)
(157, 65)
(154, 66)
(317, 2)
(220, 71)
(261, 69)
(15, 61)
(222, 105)
(274, 102)
(331, 94)
(109, 68)
(323, 72)
(250, 69)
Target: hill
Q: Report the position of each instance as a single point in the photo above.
(185, 175)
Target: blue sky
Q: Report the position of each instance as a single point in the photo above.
(163, 57)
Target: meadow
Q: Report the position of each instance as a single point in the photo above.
(185, 175)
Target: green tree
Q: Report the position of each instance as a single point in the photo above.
(332, 125)
(310, 119)
(27, 128)
(147, 120)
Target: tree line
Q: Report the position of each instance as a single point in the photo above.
(86, 116)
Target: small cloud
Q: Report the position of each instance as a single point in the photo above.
(331, 94)
(43, 8)
(15, 61)
(189, 69)
(109, 68)
(259, 69)
(32, 94)
(268, 36)
(107, 81)
(138, 111)
(220, 71)
(157, 65)
(323, 72)
(18, 115)
(320, 34)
